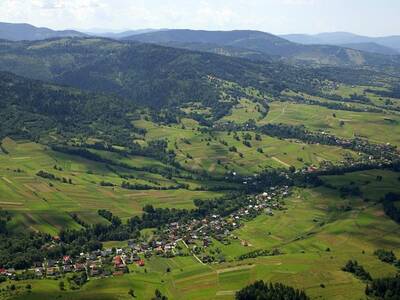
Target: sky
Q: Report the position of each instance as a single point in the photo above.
(366, 17)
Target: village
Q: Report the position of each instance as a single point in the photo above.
(175, 239)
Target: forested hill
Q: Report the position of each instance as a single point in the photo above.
(30, 108)
(18, 32)
(154, 75)
(266, 44)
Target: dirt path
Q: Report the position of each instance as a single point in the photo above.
(225, 293)
(279, 161)
(7, 180)
(194, 255)
(278, 116)
(238, 268)
(11, 203)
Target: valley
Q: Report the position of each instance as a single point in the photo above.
(151, 166)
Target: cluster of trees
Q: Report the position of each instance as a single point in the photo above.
(139, 186)
(156, 149)
(4, 218)
(51, 176)
(334, 105)
(386, 256)
(260, 290)
(29, 109)
(157, 217)
(350, 190)
(90, 238)
(393, 93)
(384, 288)
(159, 296)
(260, 252)
(391, 206)
(300, 132)
(353, 267)
(106, 214)
(79, 220)
(22, 250)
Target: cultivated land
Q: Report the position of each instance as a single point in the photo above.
(202, 156)
(312, 223)
(379, 128)
(314, 233)
(46, 207)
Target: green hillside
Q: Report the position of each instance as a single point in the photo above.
(127, 168)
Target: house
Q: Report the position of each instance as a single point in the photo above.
(135, 257)
(106, 252)
(312, 169)
(79, 267)
(118, 273)
(39, 272)
(37, 264)
(91, 256)
(67, 268)
(51, 271)
(118, 261)
(94, 270)
(67, 259)
(51, 263)
(159, 250)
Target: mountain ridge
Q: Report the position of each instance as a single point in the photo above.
(337, 38)
(263, 43)
(24, 31)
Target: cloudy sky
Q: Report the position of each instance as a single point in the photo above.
(368, 17)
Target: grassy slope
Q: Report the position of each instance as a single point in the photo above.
(312, 223)
(41, 207)
(206, 150)
(370, 125)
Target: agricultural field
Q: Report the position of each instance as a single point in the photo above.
(135, 167)
(378, 128)
(45, 205)
(211, 152)
(244, 111)
(315, 235)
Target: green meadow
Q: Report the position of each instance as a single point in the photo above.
(203, 151)
(45, 205)
(379, 128)
(315, 235)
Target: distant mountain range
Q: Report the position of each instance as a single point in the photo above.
(335, 49)
(19, 32)
(121, 35)
(265, 46)
(383, 45)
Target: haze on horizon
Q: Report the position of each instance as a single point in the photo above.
(365, 17)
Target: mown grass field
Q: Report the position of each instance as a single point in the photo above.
(316, 219)
(379, 128)
(313, 222)
(202, 151)
(40, 206)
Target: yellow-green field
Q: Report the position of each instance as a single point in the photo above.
(379, 128)
(202, 151)
(44, 205)
(313, 222)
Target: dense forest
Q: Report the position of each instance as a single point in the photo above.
(155, 75)
(260, 290)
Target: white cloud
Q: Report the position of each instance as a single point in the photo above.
(299, 2)
(276, 16)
